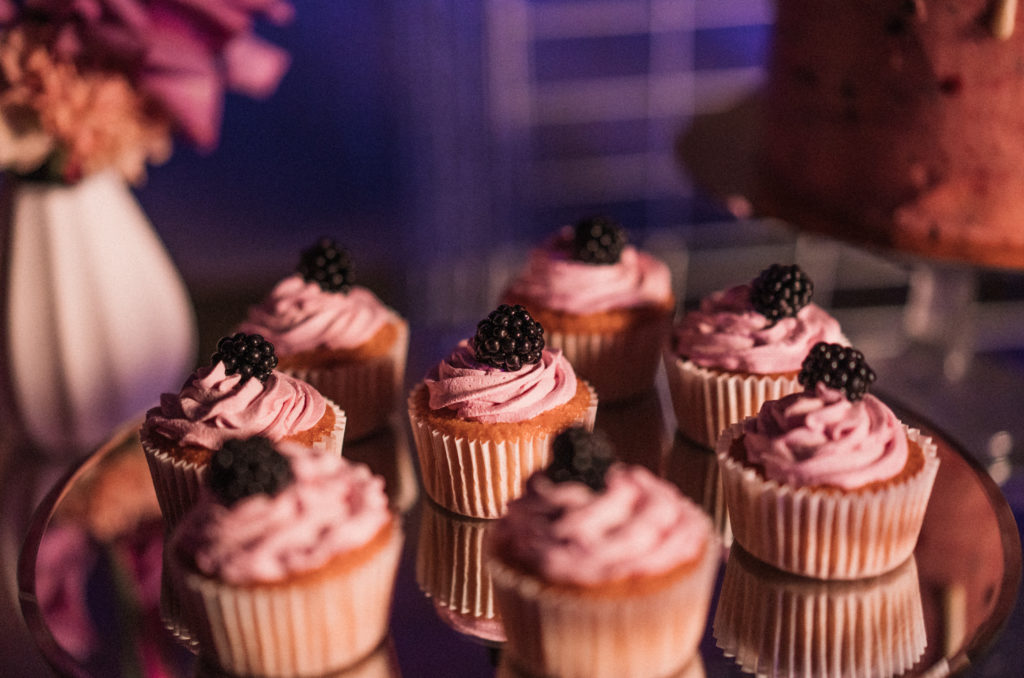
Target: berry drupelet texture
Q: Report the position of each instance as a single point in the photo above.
(840, 367)
(780, 292)
(508, 338)
(327, 265)
(582, 456)
(249, 355)
(597, 240)
(245, 467)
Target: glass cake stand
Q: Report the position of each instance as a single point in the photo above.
(90, 569)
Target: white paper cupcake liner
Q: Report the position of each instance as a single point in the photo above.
(369, 390)
(319, 623)
(707, 401)
(177, 482)
(450, 568)
(826, 534)
(619, 365)
(556, 631)
(478, 477)
(871, 627)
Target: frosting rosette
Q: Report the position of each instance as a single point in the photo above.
(820, 438)
(567, 533)
(824, 488)
(299, 316)
(332, 507)
(575, 570)
(726, 333)
(213, 406)
(478, 392)
(298, 583)
(551, 278)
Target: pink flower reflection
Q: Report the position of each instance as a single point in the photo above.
(65, 559)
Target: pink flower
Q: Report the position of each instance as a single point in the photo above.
(184, 54)
(100, 81)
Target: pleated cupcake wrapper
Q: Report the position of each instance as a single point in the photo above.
(479, 477)
(826, 534)
(451, 569)
(558, 632)
(317, 624)
(177, 482)
(368, 390)
(707, 402)
(872, 627)
(619, 365)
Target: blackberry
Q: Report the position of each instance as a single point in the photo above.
(597, 240)
(780, 292)
(839, 367)
(249, 355)
(508, 338)
(581, 455)
(248, 466)
(327, 265)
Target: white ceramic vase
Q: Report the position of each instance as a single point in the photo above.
(96, 319)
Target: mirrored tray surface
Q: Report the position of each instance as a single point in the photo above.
(89, 575)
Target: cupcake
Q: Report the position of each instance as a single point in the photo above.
(484, 417)
(827, 483)
(607, 305)
(286, 564)
(336, 335)
(238, 395)
(741, 347)
(601, 569)
(777, 624)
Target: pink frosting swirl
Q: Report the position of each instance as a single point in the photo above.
(487, 394)
(299, 316)
(333, 507)
(726, 333)
(821, 438)
(568, 533)
(551, 278)
(213, 407)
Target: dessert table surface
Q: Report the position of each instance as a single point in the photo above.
(968, 563)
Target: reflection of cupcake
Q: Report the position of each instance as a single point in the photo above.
(381, 663)
(607, 305)
(595, 553)
(777, 624)
(694, 470)
(483, 419)
(693, 669)
(387, 454)
(450, 569)
(337, 336)
(637, 430)
(741, 347)
(237, 396)
(286, 565)
(827, 483)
